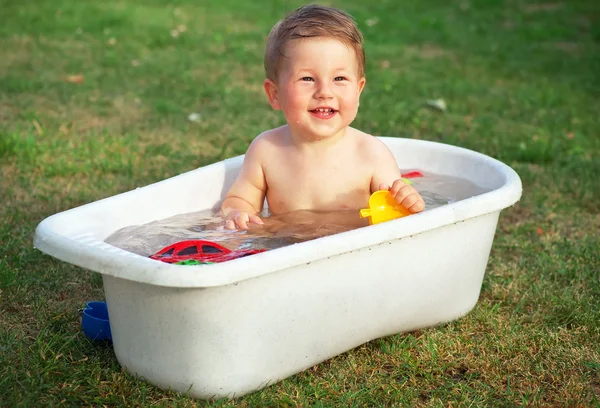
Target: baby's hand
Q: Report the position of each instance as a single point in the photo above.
(406, 195)
(240, 219)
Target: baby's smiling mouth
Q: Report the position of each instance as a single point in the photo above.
(323, 113)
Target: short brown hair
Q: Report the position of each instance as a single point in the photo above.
(312, 21)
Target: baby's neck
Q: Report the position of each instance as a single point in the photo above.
(305, 143)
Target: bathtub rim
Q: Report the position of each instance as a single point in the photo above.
(92, 254)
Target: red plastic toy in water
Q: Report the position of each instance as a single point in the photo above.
(201, 251)
(412, 174)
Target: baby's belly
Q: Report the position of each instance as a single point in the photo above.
(308, 224)
(343, 201)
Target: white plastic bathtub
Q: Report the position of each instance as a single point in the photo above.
(228, 329)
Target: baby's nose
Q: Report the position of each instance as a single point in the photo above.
(324, 95)
(324, 91)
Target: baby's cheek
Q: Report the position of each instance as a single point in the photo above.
(296, 114)
(350, 101)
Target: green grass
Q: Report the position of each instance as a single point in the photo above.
(521, 82)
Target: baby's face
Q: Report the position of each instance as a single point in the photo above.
(318, 88)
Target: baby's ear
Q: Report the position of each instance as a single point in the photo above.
(361, 84)
(272, 94)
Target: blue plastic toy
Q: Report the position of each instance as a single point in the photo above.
(94, 321)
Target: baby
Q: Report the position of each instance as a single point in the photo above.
(314, 63)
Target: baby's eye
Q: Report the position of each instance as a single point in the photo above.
(306, 79)
(340, 78)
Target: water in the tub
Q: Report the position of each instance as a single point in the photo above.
(278, 230)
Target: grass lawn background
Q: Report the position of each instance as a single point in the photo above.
(95, 99)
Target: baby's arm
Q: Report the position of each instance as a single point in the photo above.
(246, 196)
(386, 176)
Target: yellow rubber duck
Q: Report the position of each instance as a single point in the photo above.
(383, 207)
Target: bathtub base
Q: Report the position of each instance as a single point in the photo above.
(230, 340)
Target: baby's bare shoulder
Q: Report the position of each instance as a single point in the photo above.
(269, 139)
(369, 145)
(266, 141)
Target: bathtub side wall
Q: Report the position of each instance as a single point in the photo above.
(480, 169)
(231, 340)
(195, 190)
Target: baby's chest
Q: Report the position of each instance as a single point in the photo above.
(329, 186)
